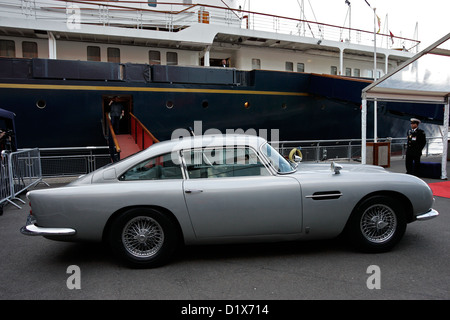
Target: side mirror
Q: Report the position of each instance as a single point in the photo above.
(336, 168)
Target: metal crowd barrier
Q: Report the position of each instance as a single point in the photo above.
(20, 170)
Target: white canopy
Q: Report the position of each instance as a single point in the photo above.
(425, 78)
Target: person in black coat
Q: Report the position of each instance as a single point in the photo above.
(416, 142)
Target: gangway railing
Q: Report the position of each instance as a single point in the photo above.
(114, 147)
(141, 135)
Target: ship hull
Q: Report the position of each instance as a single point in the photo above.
(57, 111)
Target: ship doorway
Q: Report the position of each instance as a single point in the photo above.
(216, 62)
(125, 122)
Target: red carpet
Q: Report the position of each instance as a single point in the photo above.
(441, 189)
(127, 145)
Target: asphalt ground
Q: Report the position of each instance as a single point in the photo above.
(34, 268)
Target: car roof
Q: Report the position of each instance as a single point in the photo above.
(228, 140)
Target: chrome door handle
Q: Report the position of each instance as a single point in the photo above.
(193, 191)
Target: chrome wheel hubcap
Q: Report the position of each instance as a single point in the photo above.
(143, 237)
(378, 223)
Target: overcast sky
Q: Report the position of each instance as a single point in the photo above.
(433, 16)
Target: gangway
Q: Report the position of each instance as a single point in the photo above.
(124, 145)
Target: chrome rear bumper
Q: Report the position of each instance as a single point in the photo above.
(33, 230)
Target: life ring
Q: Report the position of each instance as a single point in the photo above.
(293, 152)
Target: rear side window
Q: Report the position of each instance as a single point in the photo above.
(157, 168)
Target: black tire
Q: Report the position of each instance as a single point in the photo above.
(143, 238)
(376, 225)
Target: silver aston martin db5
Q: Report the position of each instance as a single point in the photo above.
(224, 189)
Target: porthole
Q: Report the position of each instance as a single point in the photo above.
(169, 104)
(283, 106)
(41, 104)
(247, 105)
(205, 104)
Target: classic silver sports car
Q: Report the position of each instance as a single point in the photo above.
(223, 189)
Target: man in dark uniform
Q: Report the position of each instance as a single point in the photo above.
(116, 113)
(416, 142)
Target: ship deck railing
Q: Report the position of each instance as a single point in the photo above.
(350, 149)
(173, 17)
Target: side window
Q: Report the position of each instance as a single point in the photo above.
(158, 168)
(223, 163)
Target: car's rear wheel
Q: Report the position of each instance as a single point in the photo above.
(143, 237)
(377, 224)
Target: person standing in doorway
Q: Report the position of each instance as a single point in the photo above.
(116, 113)
(416, 142)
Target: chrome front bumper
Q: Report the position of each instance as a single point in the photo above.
(427, 215)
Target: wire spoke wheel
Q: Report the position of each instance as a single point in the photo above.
(143, 237)
(378, 223)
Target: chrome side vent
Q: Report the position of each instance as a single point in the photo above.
(325, 195)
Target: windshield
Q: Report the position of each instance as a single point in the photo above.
(280, 164)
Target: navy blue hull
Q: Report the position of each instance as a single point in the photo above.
(52, 111)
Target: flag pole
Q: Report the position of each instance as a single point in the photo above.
(375, 106)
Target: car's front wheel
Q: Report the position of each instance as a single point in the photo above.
(377, 224)
(143, 237)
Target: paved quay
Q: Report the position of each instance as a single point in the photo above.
(34, 268)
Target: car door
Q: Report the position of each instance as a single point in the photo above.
(231, 193)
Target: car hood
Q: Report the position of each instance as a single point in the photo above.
(346, 167)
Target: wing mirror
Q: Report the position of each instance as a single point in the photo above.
(336, 168)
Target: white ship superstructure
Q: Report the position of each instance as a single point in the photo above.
(190, 33)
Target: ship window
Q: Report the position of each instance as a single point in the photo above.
(289, 66)
(169, 104)
(348, 72)
(256, 63)
(152, 3)
(29, 49)
(93, 53)
(356, 72)
(172, 58)
(154, 57)
(7, 48)
(113, 55)
(187, 1)
(41, 104)
(300, 67)
(333, 70)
